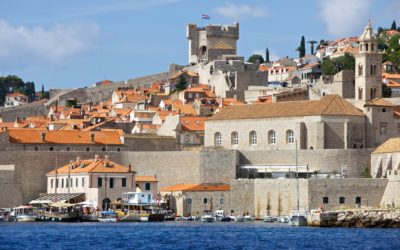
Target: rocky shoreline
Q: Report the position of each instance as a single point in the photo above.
(369, 218)
(356, 218)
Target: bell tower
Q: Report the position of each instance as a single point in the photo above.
(368, 70)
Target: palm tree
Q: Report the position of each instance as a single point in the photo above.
(312, 42)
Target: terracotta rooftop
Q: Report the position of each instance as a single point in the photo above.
(327, 105)
(380, 102)
(192, 123)
(65, 136)
(196, 187)
(91, 166)
(390, 146)
(146, 178)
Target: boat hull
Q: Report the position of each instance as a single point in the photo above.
(299, 221)
(26, 218)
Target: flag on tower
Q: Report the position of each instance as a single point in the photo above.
(205, 16)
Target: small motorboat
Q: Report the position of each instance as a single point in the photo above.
(248, 218)
(207, 218)
(284, 219)
(298, 218)
(268, 218)
(108, 216)
(238, 218)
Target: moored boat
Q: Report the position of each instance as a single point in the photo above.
(298, 218)
(108, 216)
(207, 218)
(24, 213)
(268, 218)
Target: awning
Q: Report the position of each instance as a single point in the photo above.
(271, 168)
(62, 204)
(52, 198)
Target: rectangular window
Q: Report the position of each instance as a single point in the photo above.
(189, 201)
(205, 200)
(123, 182)
(221, 200)
(118, 149)
(103, 149)
(147, 186)
(62, 183)
(51, 149)
(88, 149)
(383, 128)
(83, 182)
(66, 182)
(99, 182)
(325, 200)
(76, 182)
(56, 183)
(342, 200)
(111, 182)
(68, 148)
(36, 148)
(51, 183)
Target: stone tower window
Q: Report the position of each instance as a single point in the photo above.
(289, 137)
(217, 139)
(366, 47)
(360, 70)
(325, 200)
(358, 200)
(271, 137)
(371, 70)
(253, 138)
(360, 92)
(234, 138)
(372, 47)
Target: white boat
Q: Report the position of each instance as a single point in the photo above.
(298, 218)
(238, 218)
(108, 216)
(24, 214)
(284, 219)
(219, 215)
(268, 218)
(207, 218)
(248, 218)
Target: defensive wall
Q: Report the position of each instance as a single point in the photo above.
(22, 173)
(31, 109)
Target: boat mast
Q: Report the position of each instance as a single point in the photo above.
(297, 181)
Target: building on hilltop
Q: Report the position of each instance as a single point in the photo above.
(208, 43)
(15, 99)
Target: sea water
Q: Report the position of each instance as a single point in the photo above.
(191, 235)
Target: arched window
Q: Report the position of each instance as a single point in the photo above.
(271, 137)
(234, 138)
(360, 92)
(253, 138)
(360, 69)
(217, 139)
(371, 70)
(372, 47)
(366, 47)
(289, 136)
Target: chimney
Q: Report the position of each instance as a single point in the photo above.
(78, 158)
(92, 137)
(130, 168)
(96, 157)
(43, 136)
(17, 119)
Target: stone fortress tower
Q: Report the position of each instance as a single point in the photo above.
(368, 71)
(209, 43)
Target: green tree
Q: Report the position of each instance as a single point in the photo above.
(267, 56)
(302, 48)
(393, 51)
(328, 67)
(331, 67)
(13, 83)
(394, 25)
(254, 58)
(386, 91)
(312, 42)
(182, 84)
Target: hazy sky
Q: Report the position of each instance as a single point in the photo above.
(74, 43)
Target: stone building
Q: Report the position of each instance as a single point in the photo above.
(193, 200)
(329, 123)
(208, 43)
(385, 164)
(15, 99)
(101, 180)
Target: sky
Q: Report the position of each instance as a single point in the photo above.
(75, 43)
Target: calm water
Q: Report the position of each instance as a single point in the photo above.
(190, 235)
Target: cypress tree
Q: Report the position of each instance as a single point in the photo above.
(302, 51)
(267, 55)
(394, 25)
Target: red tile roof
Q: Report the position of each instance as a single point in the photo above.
(112, 137)
(91, 166)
